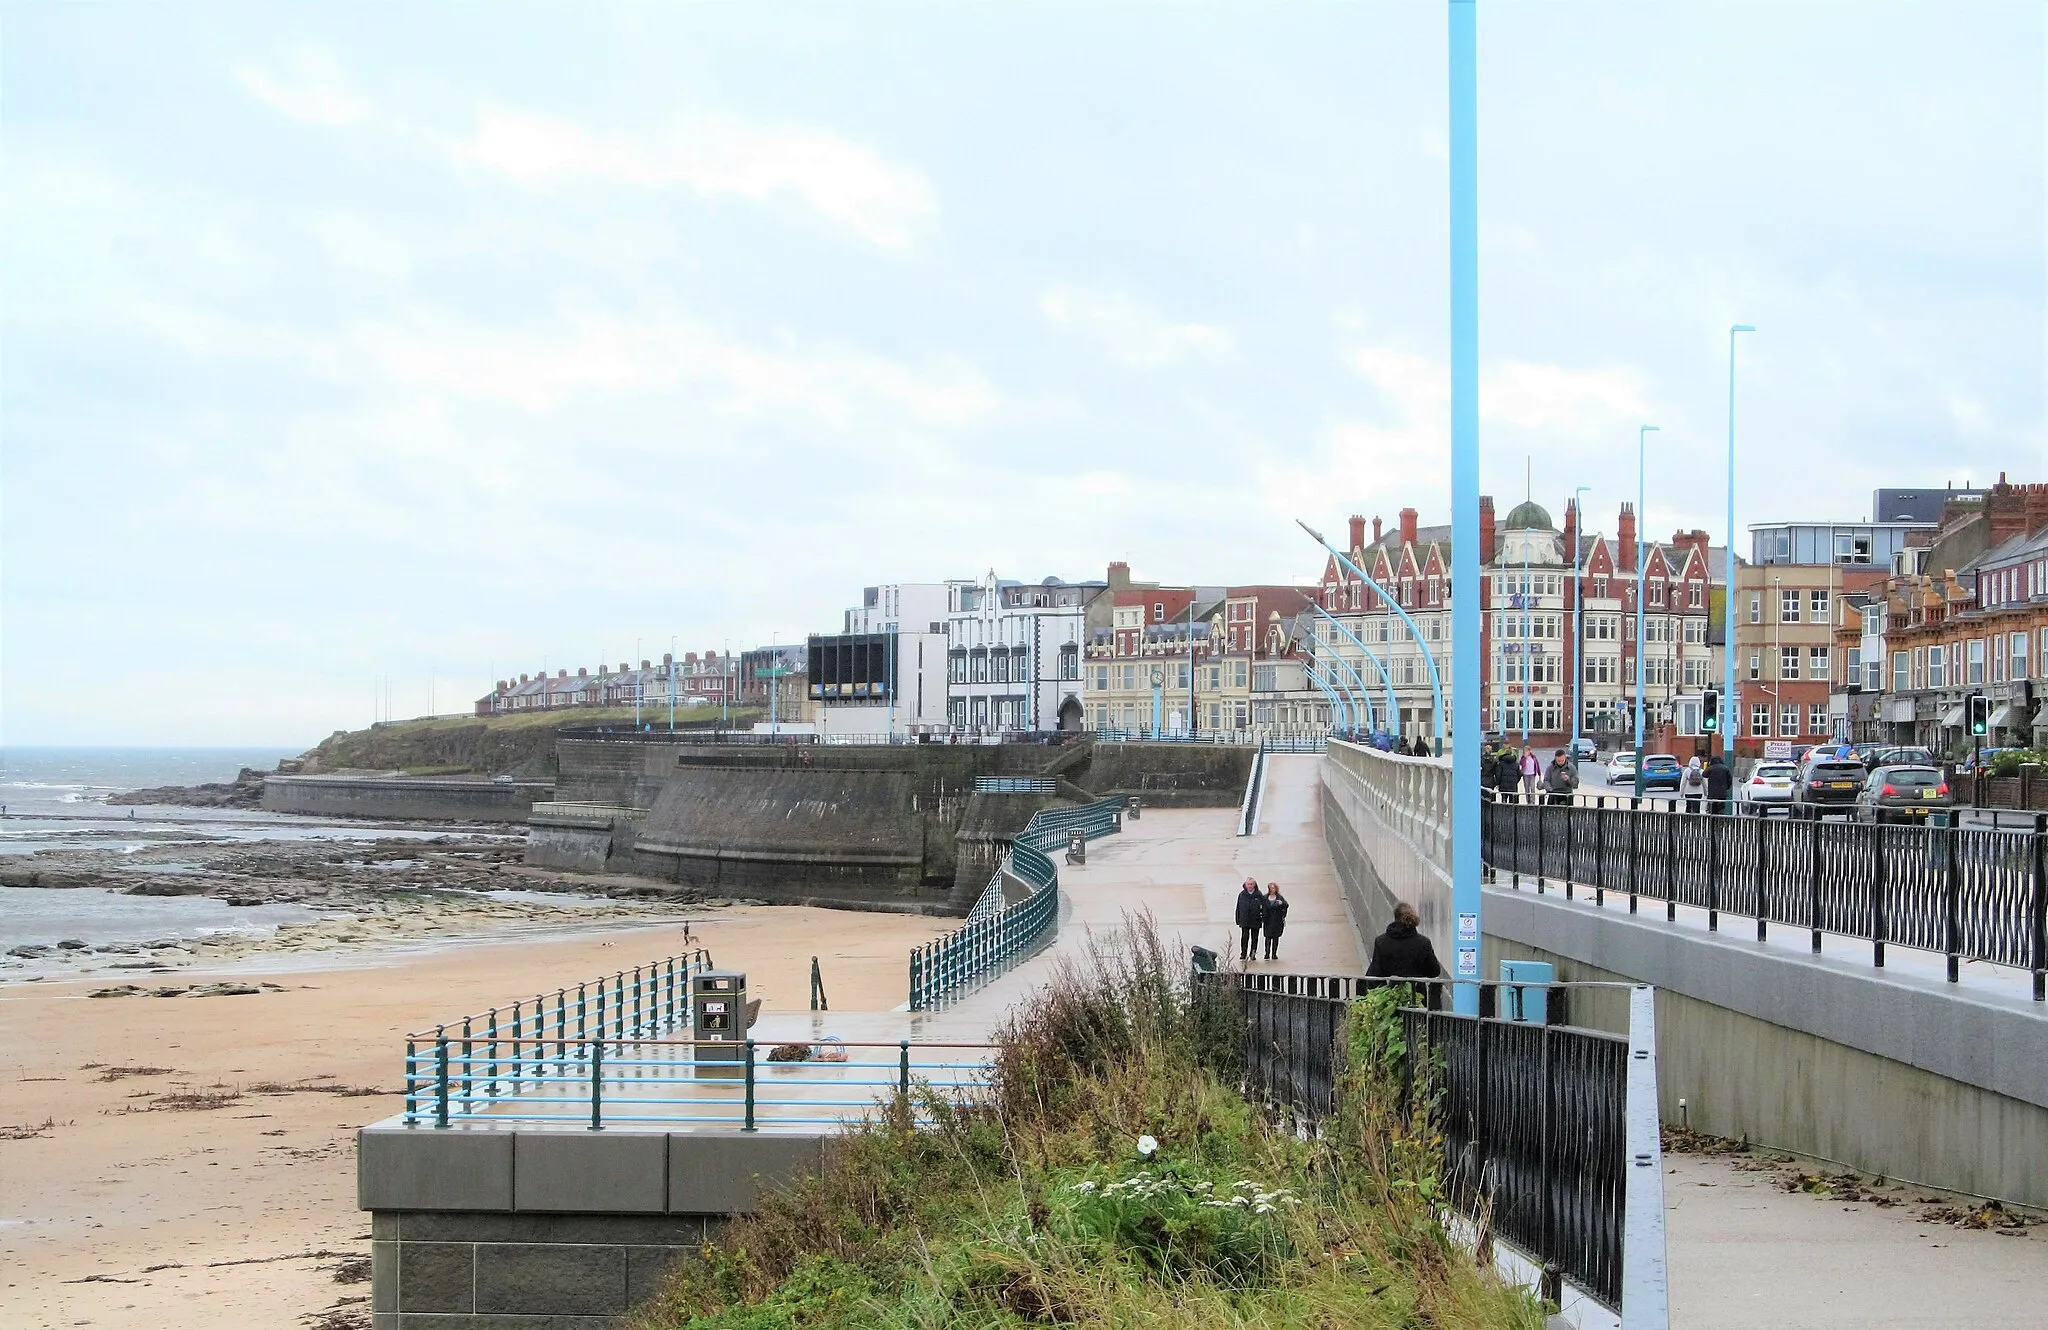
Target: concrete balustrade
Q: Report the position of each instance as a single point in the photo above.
(1388, 825)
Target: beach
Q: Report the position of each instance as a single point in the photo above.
(189, 1161)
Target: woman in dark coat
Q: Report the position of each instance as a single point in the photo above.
(1402, 952)
(1274, 920)
(1507, 774)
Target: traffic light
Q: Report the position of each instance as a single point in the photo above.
(1980, 714)
(1710, 710)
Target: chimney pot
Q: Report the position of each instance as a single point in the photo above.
(1375, 530)
(581, 672)
(1357, 532)
(1408, 516)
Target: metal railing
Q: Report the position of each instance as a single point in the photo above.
(1969, 893)
(604, 1082)
(992, 940)
(1295, 743)
(1015, 785)
(1550, 1132)
(1248, 809)
(650, 1001)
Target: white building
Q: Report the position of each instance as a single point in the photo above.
(1013, 653)
(885, 675)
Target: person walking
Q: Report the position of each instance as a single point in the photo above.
(1693, 784)
(1402, 952)
(1531, 768)
(1720, 784)
(1560, 780)
(1251, 913)
(1507, 774)
(1274, 919)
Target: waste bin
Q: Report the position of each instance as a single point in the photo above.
(718, 1017)
(1132, 806)
(1077, 846)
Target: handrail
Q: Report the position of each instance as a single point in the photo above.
(1248, 810)
(993, 938)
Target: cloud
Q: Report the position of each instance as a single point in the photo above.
(1130, 332)
(845, 182)
(310, 86)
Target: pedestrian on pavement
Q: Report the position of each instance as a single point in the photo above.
(1507, 774)
(1274, 920)
(1402, 952)
(1720, 784)
(1251, 913)
(1532, 770)
(1560, 780)
(1693, 784)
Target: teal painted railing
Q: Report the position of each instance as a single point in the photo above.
(992, 940)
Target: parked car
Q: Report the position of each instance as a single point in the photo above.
(1769, 786)
(1824, 787)
(1903, 794)
(1892, 755)
(1661, 772)
(1585, 750)
(1621, 768)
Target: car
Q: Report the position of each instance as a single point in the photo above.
(1769, 786)
(1661, 771)
(1585, 750)
(1892, 755)
(1903, 794)
(1621, 768)
(1824, 787)
(1967, 764)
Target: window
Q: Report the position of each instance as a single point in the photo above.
(2019, 656)
(1852, 671)
(1902, 677)
(1873, 675)
(1070, 661)
(1695, 631)
(1788, 607)
(1817, 721)
(1788, 662)
(1600, 588)
(1760, 721)
(1602, 669)
(1756, 663)
(1695, 672)
(1851, 548)
(1937, 667)
(1788, 720)
(1997, 661)
(1817, 603)
(1158, 611)
(1756, 607)
(1817, 663)
(1976, 660)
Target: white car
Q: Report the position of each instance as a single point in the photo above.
(1769, 786)
(1621, 768)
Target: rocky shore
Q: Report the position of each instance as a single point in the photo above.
(244, 791)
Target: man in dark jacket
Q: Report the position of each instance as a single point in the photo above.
(1402, 952)
(1720, 784)
(1251, 913)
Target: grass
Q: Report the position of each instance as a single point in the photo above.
(1040, 1204)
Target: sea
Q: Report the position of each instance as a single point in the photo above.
(53, 799)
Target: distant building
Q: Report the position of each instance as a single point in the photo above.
(1013, 658)
(885, 675)
(694, 681)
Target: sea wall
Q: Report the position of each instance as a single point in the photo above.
(401, 798)
(1168, 775)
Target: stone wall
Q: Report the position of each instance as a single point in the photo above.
(1168, 775)
(401, 798)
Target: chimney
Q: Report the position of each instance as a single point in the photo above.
(1407, 526)
(1357, 533)
(645, 665)
(2005, 511)
(1489, 534)
(1375, 530)
(1571, 530)
(561, 674)
(1119, 578)
(667, 660)
(2037, 506)
(524, 679)
(582, 673)
(1625, 537)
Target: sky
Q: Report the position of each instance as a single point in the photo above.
(352, 357)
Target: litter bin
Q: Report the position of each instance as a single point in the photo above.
(1133, 806)
(1077, 846)
(718, 1017)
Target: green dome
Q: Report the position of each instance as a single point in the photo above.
(1529, 516)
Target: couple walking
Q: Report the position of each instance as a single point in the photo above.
(1256, 914)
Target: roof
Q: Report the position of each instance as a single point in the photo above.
(1528, 515)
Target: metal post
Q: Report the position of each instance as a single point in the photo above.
(1818, 859)
(412, 1105)
(1671, 862)
(468, 1056)
(1634, 818)
(2039, 913)
(597, 1085)
(1713, 825)
(1642, 600)
(1952, 903)
(440, 1076)
(1879, 881)
(903, 1068)
(749, 1125)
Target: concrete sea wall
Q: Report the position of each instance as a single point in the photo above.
(401, 798)
(1168, 775)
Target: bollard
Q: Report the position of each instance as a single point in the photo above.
(441, 1076)
(597, 1086)
(749, 1125)
(412, 1105)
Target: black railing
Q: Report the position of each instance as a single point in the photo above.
(1969, 893)
(1535, 1118)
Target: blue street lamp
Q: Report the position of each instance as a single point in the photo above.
(1466, 900)
(1729, 718)
(1642, 586)
(1361, 696)
(1578, 621)
(1436, 684)
(1386, 679)
(1337, 709)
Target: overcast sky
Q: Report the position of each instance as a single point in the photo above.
(432, 343)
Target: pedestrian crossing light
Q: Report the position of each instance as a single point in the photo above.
(1710, 710)
(1980, 714)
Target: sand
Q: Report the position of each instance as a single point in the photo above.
(119, 1208)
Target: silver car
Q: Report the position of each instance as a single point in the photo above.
(1769, 786)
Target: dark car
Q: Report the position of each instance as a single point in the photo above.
(1828, 786)
(1660, 772)
(1903, 794)
(1891, 755)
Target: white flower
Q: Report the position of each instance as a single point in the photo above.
(1147, 1146)
(1084, 1186)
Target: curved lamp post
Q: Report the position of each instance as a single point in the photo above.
(1729, 719)
(1386, 679)
(1436, 683)
(1361, 696)
(1578, 619)
(1337, 704)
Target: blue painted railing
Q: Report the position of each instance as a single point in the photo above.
(996, 937)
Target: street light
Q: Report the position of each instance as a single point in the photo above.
(1728, 595)
(1386, 679)
(1642, 585)
(1578, 618)
(1436, 683)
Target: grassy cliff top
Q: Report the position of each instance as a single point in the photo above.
(518, 744)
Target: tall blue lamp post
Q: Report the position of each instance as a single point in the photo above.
(1578, 622)
(1465, 667)
(1338, 711)
(1642, 595)
(1436, 683)
(1730, 716)
(1393, 712)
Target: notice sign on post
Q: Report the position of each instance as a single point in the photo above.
(1468, 928)
(1468, 962)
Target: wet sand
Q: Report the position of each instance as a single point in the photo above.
(190, 1162)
